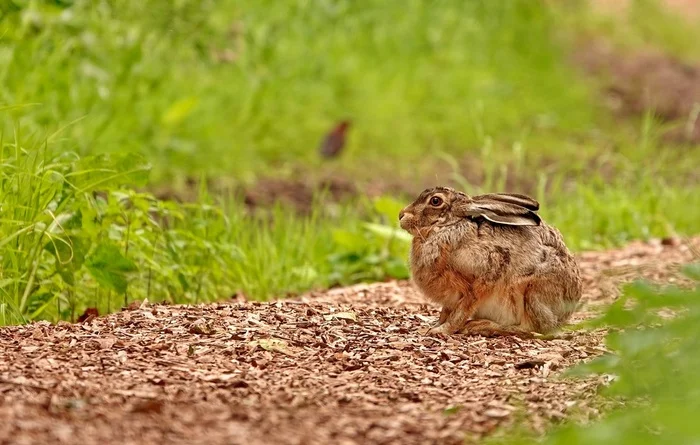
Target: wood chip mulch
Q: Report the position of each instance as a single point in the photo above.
(344, 366)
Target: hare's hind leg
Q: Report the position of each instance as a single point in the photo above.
(544, 308)
(489, 328)
(452, 320)
(440, 327)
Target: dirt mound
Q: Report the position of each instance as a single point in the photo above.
(299, 190)
(343, 366)
(647, 80)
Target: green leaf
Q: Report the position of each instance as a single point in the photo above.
(179, 111)
(110, 268)
(388, 207)
(388, 232)
(69, 253)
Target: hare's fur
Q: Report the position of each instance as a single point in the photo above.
(514, 276)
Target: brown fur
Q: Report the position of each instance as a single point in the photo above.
(493, 265)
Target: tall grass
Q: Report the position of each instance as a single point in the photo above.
(75, 234)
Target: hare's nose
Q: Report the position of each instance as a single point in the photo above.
(402, 213)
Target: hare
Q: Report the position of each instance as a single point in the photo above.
(491, 262)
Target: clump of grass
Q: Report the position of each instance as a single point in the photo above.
(75, 234)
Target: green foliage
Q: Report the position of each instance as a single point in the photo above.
(74, 235)
(371, 251)
(654, 363)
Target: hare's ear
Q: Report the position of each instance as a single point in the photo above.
(503, 213)
(511, 198)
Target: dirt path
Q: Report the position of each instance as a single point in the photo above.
(302, 371)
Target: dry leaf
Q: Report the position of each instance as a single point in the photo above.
(105, 343)
(272, 345)
(201, 327)
(496, 413)
(148, 406)
(341, 316)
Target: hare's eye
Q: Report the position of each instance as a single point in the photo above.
(435, 201)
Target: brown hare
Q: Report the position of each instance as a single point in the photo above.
(491, 262)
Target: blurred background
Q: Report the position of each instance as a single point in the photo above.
(197, 150)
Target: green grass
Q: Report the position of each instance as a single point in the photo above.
(74, 235)
(412, 77)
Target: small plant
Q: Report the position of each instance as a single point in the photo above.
(372, 251)
(73, 235)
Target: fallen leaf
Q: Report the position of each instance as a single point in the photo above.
(450, 410)
(496, 413)
(105, 343)
(341, 316)
(148, 406)
(272, 345)
(423, 318)
(201, 327)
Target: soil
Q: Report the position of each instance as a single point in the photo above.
(344, 366)
(647, 80)
(298, 191)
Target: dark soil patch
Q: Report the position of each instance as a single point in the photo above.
(344, 366)
(648, 80)
(299, 190)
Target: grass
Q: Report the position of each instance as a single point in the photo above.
(75, 235)
(413, 78)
